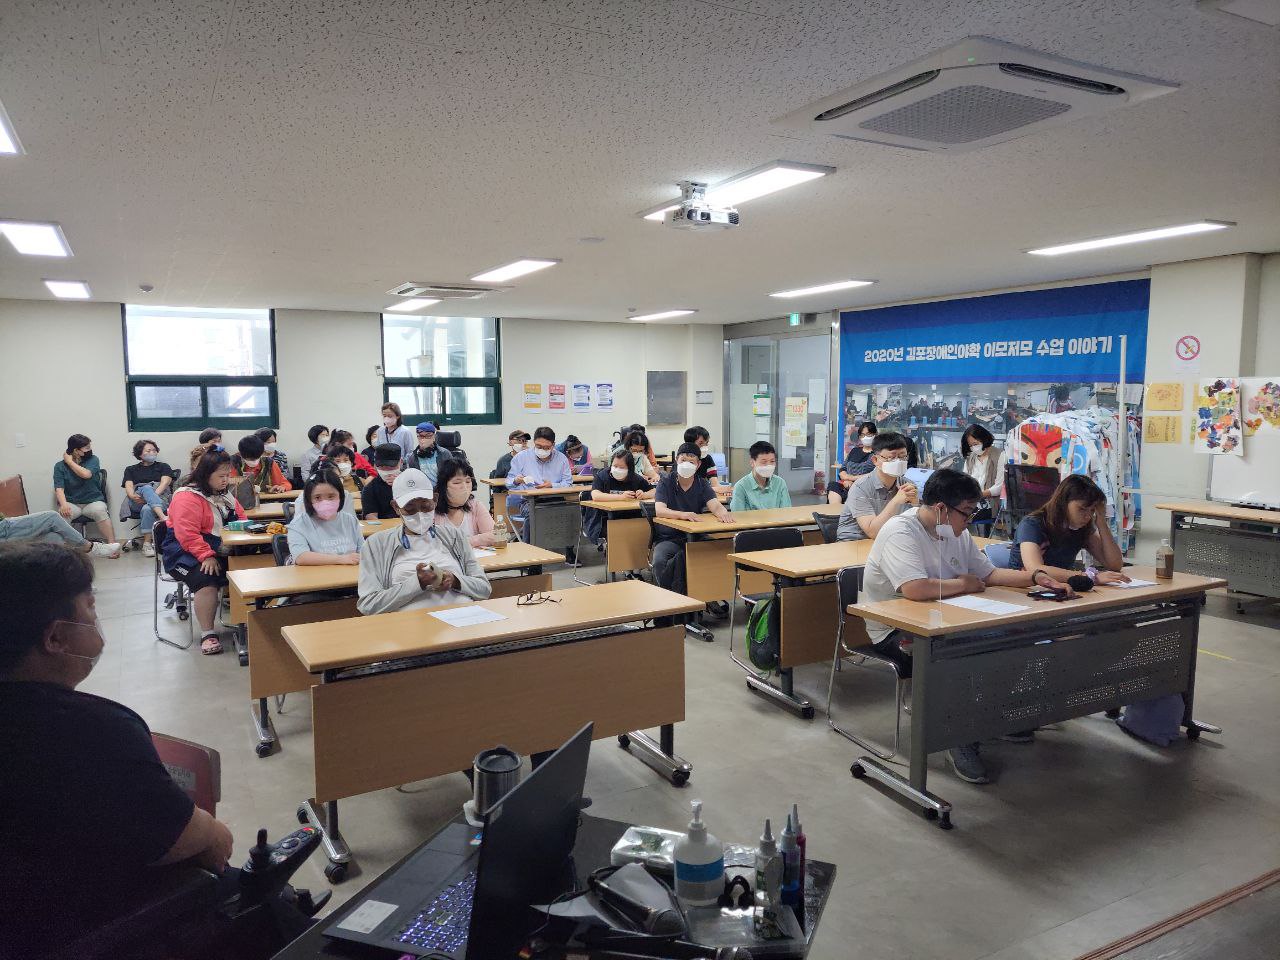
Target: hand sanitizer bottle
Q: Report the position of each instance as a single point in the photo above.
(699, 859)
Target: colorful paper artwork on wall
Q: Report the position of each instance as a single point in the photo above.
(1262, 408)
(1218, 430)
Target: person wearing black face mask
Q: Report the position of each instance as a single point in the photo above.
(77, 487)
(89, 810)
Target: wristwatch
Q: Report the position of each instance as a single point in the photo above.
(1036, 574)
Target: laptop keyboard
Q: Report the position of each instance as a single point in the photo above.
(443, 924)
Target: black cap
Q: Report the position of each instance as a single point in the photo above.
(387, 455)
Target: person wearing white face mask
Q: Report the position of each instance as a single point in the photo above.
(762, 488)
(394, 431)
(517, 442)
(682, 495)
(251, 462)
(271, 448)
(926, 554)
(88, 807)
(375, 499)
(617, 480)
(877, 497)
(428, 455)
(857, 462)
(341, 459)
(421, 565)
(541, 468)
(319, 437)
(982, 462)
(321, 533)
(458, 506)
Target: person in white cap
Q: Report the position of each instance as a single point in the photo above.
(420, 565)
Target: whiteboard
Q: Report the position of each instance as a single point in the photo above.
(1253, 479)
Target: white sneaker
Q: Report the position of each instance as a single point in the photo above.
(148, 549)
(110, 551)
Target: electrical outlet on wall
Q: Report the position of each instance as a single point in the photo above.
(377, 371)
(19, 439)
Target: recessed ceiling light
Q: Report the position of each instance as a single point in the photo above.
(68, 289)
(1142, 236)
(410, 305)
(823, 288)
(36, 239)
(770, 178)
(512, 270)
(8, 136)
(664, 315)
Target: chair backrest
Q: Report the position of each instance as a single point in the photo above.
(299, 481)
(195, 768)
(827, 526)
(287, 507)
(159, 530)
(280, 549)
(998, 554)
(848, 580)
(776, 538)
(449, 439)
(722, 466)
(649, 509)
(13, 497)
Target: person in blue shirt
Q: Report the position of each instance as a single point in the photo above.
(538, 468)
(77, 487)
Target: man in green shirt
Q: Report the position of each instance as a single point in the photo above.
(761, 489)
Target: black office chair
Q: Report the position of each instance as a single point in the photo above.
(848, 580)
(827, 526)
(451, 440)
(299, 481)
(179, 600)
(280, 549)
(779, 538)
(287, 507)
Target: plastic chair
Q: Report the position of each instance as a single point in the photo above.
(999, 554)
(779, 538)
(847, 582)
(280, 549)
(13, 497)
(195, 768)
(179, 600)
(827, 526)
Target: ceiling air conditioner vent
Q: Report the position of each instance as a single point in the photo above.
(973, 94)
(440, 291)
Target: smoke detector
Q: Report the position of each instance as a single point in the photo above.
(440, 291)
(970, 95)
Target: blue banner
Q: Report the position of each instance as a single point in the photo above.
(1063, 335)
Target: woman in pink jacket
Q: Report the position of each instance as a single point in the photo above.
(457, 505)
(193, 542)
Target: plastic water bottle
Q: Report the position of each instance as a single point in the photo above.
(1164, 561)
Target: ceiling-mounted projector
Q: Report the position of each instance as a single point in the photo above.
(695, 212)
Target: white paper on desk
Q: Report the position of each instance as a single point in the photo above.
(467, 616)
(984, 604)
(1132, 584)
(483, 552)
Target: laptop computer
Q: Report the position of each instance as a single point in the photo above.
(468, 902)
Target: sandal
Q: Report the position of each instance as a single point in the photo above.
(210, 645)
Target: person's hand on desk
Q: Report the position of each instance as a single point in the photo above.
(277, 488)
(351, 559)
(210, 566)
(970, 584)
(1111, 576)
(544, 485)
(726, 517)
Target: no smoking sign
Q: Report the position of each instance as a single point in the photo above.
(1186, 350)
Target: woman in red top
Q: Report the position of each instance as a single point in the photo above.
(262, 470)
(197, 513)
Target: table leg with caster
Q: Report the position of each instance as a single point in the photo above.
(240, 637)
(783, 696)
(931, 807)
(335, 847)
(658, 755)
(263, 727)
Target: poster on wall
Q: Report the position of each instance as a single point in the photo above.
(604, 395)
(533, 396)
(1262, 407)
(1164, 396)
(1161, 428)
(582, 397)
(761, 405)
(795, 422)
(1217, 418)
(557, 397)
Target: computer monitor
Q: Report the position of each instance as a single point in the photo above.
(526, 856)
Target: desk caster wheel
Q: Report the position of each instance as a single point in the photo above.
(858, 771)
(944, 821)
(1193, 733)
(680, 778)
(624, 741)
(184, 615)
(807, 713)
(335, 872)
(302, 816)
(263, 749)
(1113, 714)
(244, 658)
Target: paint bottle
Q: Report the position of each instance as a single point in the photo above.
(699, 861)
(789, 850)
(802, 841)
(768, 879)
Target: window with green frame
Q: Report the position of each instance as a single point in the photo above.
(444, 369)
(187, 368)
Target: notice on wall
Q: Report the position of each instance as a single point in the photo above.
(582, 397)
(557, 397)
(1217, 418)
(820, 447)
(703, 397)
(761, 405)
(604, 395)
(795, 422)
(1164, 396)
(1161, 428)
(1186, 354)
(818, 397)
(533, 396)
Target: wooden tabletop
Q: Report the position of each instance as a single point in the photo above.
(754, 519)
(1222, 511)
(242, 538)
(500, 483)
(914, 616)
(815, 560)
(255, 584)
(266, 511)
(291, 495)
(549, 492)
(334, 644)
(633, 506)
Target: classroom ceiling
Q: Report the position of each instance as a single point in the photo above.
(316, 153)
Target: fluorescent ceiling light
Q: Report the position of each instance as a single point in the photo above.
(410, 305)
(8, 136)
(513, 270)
(823, 288)
(664, 315)
(1142, 236)
(36, 239)
(758, 182)
(68, 289)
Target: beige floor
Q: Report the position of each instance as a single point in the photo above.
(1085, 836)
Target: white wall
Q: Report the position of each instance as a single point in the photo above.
(62, 372)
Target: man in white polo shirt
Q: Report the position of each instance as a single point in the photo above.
(926, 554)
